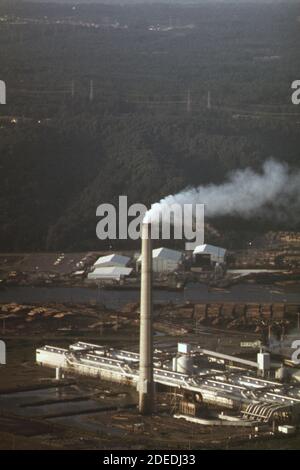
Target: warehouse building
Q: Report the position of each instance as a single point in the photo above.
(111, 261)
(114, 273)
(209, 255)
(164, 260)
(112, 267)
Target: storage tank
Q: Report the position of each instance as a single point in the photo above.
(185, 364)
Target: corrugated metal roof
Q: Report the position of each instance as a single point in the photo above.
(165, 253)
(113, 259)
(210, 250)
(109, 272)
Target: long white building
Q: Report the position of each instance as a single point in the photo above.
(255, 398)
(110, 267)
(111, 261)
(109, 273)
(164, 260)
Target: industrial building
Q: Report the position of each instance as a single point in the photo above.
(240, 389)
(209, 255)
(164, 260)
(114, 273)
(110, 267)
(111, 261)
(236, 391)
(245, 392)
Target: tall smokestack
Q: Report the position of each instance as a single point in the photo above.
(146, 386)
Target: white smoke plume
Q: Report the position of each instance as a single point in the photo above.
(273, 193)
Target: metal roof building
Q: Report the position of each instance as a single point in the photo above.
(112, 260)
(110, 273)
(164, 260)
(216, 253)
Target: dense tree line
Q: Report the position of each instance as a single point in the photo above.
(138, 136)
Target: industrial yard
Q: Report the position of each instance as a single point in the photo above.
(273, 258)
(101, 414)
(222, 370)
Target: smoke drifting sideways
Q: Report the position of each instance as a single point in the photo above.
(273, 193)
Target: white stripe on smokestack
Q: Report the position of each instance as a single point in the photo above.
(146, 387)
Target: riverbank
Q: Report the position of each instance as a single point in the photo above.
(193, 292)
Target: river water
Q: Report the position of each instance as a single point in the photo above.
(243, 293)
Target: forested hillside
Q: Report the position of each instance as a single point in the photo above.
(143, 101)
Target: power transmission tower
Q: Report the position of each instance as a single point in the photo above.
(73, 89)
(208, 100)
(189, 102)
(91, 95)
